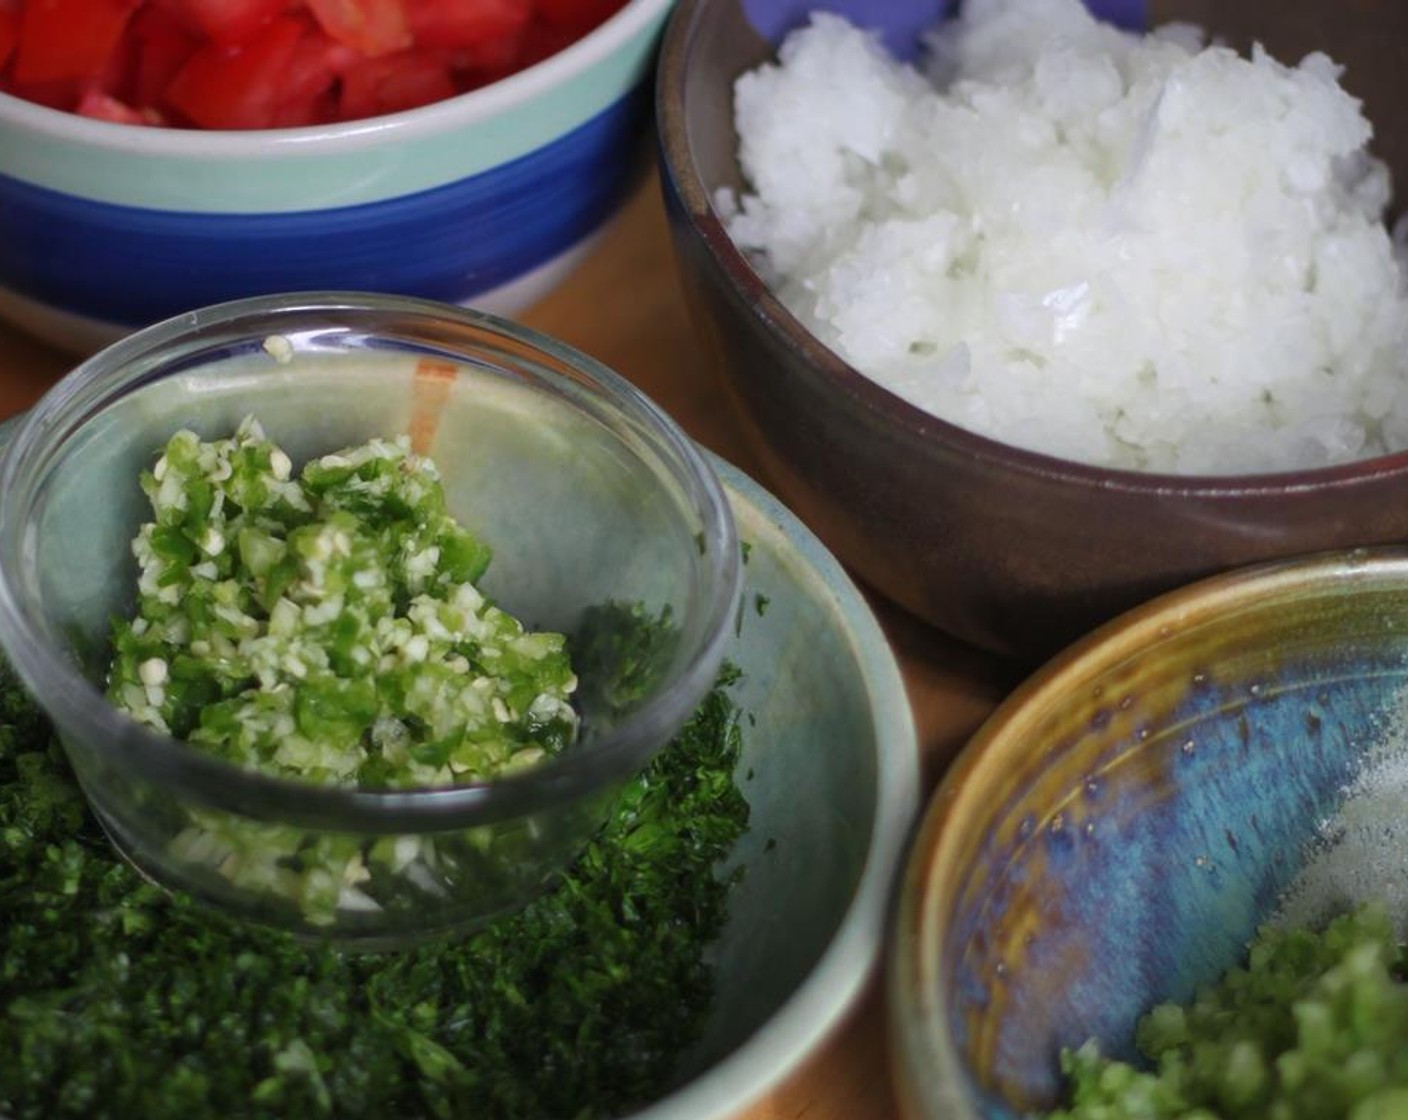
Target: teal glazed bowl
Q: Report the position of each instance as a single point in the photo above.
(829, 765)
(486, 199)
(1114, 834)
(830, 769)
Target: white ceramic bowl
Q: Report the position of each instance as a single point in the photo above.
(487, 198)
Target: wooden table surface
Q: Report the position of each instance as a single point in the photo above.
(624, 307)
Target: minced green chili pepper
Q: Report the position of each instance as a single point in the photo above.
(1314, 1026)
(327, 626)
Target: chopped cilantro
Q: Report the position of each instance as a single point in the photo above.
(619, 651)
(121, 1000)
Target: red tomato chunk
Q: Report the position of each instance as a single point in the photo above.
(228, 64)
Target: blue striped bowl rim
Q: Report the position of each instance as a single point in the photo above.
(131, 266)
(338, 165)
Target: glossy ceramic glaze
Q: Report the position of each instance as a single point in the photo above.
(1112, 836)
(1015, 551)
(585, 491)
(830, 769)
(479, 199)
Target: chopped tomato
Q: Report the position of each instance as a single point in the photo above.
(225, 21)
(314, 67)
(60, 94)
(237, 85)
(272, 63)
(100, 106)
(372, 27)
(576, 17)
(487, 36)
(467, 23)
(393, 82)
(309, 88)
(309, 111)
(9, 32)
(68, 39)
(161, 45)
(542, 41)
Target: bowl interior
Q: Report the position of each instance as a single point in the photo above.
(575, 498)
(1116, 832)
(830, 770)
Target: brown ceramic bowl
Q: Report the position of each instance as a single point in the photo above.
(1014, 551)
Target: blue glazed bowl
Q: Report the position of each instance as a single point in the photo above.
(1116, 831)
(486, 199)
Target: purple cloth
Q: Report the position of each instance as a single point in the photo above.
(901, 21)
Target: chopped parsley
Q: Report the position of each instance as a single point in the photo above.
(120, 1000)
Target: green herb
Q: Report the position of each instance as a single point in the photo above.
(121, 1000)
(620, 651)
(1314, 1027)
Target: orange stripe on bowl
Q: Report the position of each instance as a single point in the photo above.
(430, 389)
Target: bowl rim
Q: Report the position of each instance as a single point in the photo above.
(450, 114)
(818, 363)
(836, 982)
(926, 1066)
(57, 683)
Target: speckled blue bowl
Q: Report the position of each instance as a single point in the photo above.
(1115, 832)
(486, 199)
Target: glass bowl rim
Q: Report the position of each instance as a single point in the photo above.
(202, 777)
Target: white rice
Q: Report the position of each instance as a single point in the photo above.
(1119, 249)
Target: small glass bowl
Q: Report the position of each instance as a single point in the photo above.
(587, 493)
